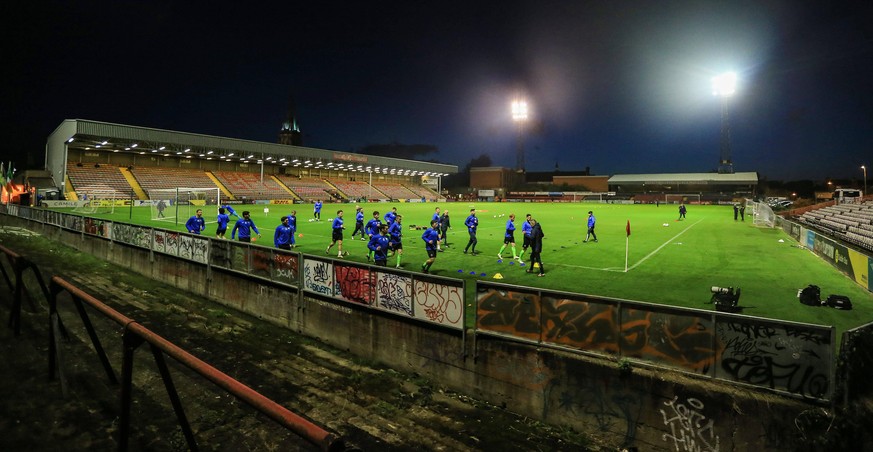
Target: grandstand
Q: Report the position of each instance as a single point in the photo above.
(422, 192)
(155, 178)
(307, 188)
(117, 160)
(395, 190)
(249, 186)
(98, 181)
(852, 223)
(353, 189)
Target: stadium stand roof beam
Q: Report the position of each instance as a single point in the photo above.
(95, 136)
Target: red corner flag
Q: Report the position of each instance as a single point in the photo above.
(628, 228)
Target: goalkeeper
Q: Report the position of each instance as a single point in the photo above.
(230, 211)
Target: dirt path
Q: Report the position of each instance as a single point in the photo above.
(372, 407)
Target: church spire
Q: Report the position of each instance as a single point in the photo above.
(290, 132)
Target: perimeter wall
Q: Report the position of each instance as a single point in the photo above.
(632, 373)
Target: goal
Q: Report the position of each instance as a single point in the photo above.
(98, 201)
(762, 214)
(172, 204)
(682, 198)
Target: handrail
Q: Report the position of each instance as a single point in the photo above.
(19, 264)
(304, 428)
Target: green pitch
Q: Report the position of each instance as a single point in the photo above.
(668, 261)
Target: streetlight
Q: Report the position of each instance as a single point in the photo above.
(724, 86)
(864, 168)
(519, 115)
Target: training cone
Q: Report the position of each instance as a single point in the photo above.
(300, 235)
(536, 265)
(498, 276)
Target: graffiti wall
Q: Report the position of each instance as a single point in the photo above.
(318, 276)
(439, 302)
(394, 293)
(788, 357)
(670, 338)
(132, 235)
(285, 268)
(354, 283)
(511, 311)
(688, 426)
(580, 323)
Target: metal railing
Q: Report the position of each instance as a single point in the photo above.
(135, 335)
(19, 264)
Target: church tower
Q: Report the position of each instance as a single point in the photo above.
(290, 133)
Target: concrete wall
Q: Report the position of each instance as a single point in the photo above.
(653, 409)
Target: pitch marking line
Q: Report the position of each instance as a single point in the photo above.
(638, 263)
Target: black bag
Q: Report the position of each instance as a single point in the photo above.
(839, 302)
(810, 295)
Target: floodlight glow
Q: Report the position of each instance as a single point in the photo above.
(230, 155)
(519, 110)
(105, 143)
(71, 140)
(162, 148)
(725, 84)
(126, 149)
(134, 145)
(252, 156)
(210, 152)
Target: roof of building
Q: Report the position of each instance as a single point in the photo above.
(686, 178)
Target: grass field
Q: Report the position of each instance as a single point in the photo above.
(669, 262)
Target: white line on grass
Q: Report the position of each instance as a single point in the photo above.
(621, 270)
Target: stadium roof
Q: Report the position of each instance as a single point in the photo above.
(107, 137)
(748, 178)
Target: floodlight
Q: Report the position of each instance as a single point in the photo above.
(162, 148)
(71, 140)
(519, 110)
(725, 84)
(134, 145)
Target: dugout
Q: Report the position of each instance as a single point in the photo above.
(702, 187)
(93, 143)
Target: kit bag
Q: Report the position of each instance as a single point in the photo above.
(810, 295)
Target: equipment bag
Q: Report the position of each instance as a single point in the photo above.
(810, 295)
(839, 302)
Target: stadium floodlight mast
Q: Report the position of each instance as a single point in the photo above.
(519, 115)
(864, 168)
(725, 86)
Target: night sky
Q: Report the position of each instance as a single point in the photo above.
(617, 86)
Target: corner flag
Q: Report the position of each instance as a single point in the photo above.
(626, 245)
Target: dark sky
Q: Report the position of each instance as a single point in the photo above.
(617, 86)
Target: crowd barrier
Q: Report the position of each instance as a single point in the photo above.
(784, 356)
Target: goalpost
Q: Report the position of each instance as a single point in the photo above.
(762, 214)
(173, 204)
(98, 201)
(682, 198)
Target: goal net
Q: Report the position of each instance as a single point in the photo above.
(682, 198)
(173, 204)
(97, 201)
(762, 214)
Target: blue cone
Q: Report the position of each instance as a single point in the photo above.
(521, 265)
(512, 263)
(460, 271)
(499, 261)
(483, 274)
(473, 273)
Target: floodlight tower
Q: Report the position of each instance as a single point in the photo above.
(864, 168)
(519, 115)
(724, 86)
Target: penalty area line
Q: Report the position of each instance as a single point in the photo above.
(639, 262)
